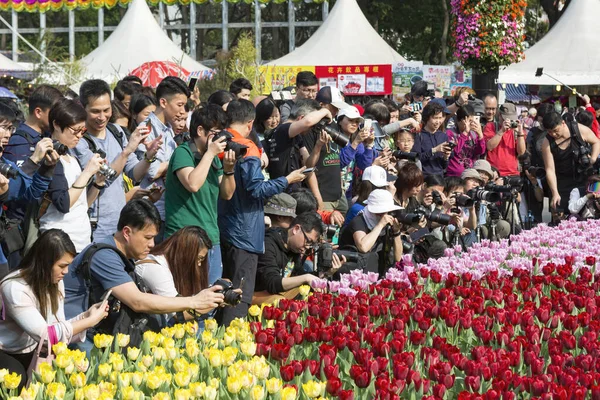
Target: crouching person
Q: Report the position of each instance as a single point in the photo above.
(107, 266)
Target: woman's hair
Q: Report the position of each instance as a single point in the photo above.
(36, 267)
(66, 113)
(409, 176)
(221, 97)
(139, 102)
(364, 190)
(430, 110)
(434, 180)
(264, 110)
(7, 113)
(119, 111)
(464, 111)
(181, 251)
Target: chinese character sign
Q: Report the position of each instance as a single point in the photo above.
(357, 79)
(440, 75)
(405, 74)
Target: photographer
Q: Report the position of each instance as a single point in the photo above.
(584, 203)
(197, 178)
(369, 231)
(405, 141)
(280, 269)
(307, 86)
(570, 150)
(462, 207)
(432, 143)
(468, 139)
(72, 190)
(280, 211)
(374, 177)
(505, 141)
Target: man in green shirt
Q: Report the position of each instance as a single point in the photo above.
(196, 178)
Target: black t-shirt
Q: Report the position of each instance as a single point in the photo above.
(283, 151)
(535, 138)
(358, 224)
(329, 171)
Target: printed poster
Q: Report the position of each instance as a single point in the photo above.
(404, 76)
(273, 78)
(461, 77)
(439, 75)
(357, 80)
(352, 84)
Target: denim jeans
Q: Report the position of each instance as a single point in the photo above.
(215, 264)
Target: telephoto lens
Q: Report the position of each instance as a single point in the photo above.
(60, 148)
(437, 198)
(403, 155)
(338, 137)
(8, 171)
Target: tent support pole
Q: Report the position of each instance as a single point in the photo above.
(193, 30)
(291, 26)
(257, 31)
(325, 10)
(15, 38)
(43, 35)
(100, 26)
(161, 15)
(225, 25)
(71, 35)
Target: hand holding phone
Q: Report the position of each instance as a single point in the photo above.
(308, 171)
(106, 296)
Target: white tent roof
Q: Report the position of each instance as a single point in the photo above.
(569, 52)
(137, 39)
(345, 38)
(8, 65)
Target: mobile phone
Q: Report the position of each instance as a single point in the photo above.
(452, 145)
(192, 84)
(241, 284)
(308, 171)
(477, 118)
(106, 296)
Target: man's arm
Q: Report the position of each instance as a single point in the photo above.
(550, 172)
(521, 145)
(588, 135)
(310, 120)
(492, 137)
(254, 181)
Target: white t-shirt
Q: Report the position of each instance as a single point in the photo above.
(157, 277)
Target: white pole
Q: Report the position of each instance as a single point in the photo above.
(15, 38)
(71, 35)
(193, 30)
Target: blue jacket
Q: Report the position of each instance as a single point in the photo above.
(433, 164)
(241, 219)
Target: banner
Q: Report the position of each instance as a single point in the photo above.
(273, 78)
(357, 80)
(440, 76)
(404, 76)
(460, 77)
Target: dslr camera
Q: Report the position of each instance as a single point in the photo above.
(239, 149)
(60, 148)
(403, 155)
(8, 170)
(481, 194)
(105, 169)
(413, 218)
(338, 137)
(325, 254)
(231, 298)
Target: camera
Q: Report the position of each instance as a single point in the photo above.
(538, 172)
(239, 149)
(338, 137)
(480, 194)
(493, 212)
(463, 200)
(435, 216)
(437, 198)
(514, 124)
(325, 254)
(452, 145)
(8, 171)
(403, 155)
(182, 138)
(105, 169)
(60, 148)
(582, 157)
(407, 247)
(472, 97)
(231, 298)
(492, 187)
(330, 231)
(415, 107)
(407, 218)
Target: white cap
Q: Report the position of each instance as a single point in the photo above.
(333, 96)
(376, 175)
(381, 201)
(532, 112)
(350, 113)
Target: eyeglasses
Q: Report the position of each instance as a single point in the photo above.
(308, 243)
(9, 128)
(77, 132)
(213, 131)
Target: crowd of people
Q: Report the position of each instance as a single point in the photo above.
(133, 208)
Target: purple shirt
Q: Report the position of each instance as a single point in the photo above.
(469, 148)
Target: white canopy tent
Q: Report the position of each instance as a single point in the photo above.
(137, 39)
(345, 38)
(10, 67)
(569, 52)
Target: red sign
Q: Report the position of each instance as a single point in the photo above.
(357, 80)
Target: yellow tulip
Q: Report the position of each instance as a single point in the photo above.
(91, 392)
(106, 396)
(11, 381)
(122, 340)
(14, 398)
(172, 353)
(270, 324)
(304, 290)
(193, 370)
(59, 348)
(313, 388)
(77, 380)
(128, 393)
(63, 360)
(78, 394)
(254, 310)
(257, 393)
(247, 379)
(137, 378)
(180, 364)
(215, 357)
(56, 390)
(3, 373)
(153, 338)
(214, 382)
(248, 348)
(206, 336)
(104, 369)
(107, 387)
(82, 364)
(229, 355)
(182, 394)
(102, 341)
(179, 332)
(161, 396)
(234, 384)
(182, 379)
(147, 361)
(191, 328)
(210, 393)
(153, 381)
(159, 353)
(274, 385)
(210, 325)
(47, 372)
(29, 394)
(118, 365)
(198, 389)
(288, 393)
(228, 338)
(133, 353)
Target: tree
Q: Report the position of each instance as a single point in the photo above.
(554, 9)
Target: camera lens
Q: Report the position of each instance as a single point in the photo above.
(8, 171)
(60, 148)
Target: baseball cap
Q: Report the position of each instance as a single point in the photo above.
(485, 166)
(333, 96)
(381, 201)
(442, 103)
(350, 112)
(377, 176)
(281, 204)
(509, 111)
(478, 106)
(471, 173)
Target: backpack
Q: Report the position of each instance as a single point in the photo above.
(117, 134)
(121, 318)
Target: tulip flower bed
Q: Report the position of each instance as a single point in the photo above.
(502, 321)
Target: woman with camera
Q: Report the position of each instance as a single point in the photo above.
(33, 303)
(140, 108)
(267, 118)
(432, 143)
(375, 230)
(177, 267)
(72, 191)
(468, 139)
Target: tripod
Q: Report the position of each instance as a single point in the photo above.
(512, 206)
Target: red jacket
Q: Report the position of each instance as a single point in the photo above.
(595, 124)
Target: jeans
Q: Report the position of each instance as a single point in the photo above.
(215, 264)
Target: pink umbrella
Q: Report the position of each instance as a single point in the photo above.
(153, 72)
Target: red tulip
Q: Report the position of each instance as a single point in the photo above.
(346, 395)
(334, 385)
(287, 373)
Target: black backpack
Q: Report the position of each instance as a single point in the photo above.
(117, 134)
(121, 318)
